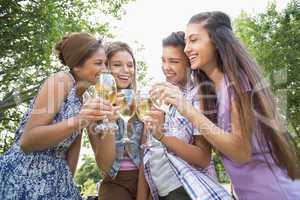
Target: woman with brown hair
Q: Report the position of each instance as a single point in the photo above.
(239, 117)
(119, 162)
(43, 159)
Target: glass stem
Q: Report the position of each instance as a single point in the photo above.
(105, 123)
(105, 120)
(125, 129)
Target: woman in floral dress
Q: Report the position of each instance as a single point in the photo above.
(42, 161)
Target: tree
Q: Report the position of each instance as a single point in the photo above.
(273, 39)
(88, 175)
(28, 31)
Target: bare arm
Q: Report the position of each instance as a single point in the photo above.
(104, 145)
(104, 149)
(39, 132)
(197, 155)
(234, 145)
(143, 188)
(73, 154)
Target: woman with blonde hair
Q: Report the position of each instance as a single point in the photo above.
(118, 161)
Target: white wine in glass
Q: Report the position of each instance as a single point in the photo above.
(127, 110)
(106, 88)
(144, 104)
(143, 107)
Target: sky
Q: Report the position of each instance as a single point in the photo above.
(147, 22)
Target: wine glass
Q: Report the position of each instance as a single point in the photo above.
(144, 104)
(163, 106)
(127, 110)
(160, 104)
(106, 88)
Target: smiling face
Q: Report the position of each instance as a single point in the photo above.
(91, 68)
(174, 65)
(199, 48)
(122, 67)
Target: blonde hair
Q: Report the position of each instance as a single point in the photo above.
(114, 47)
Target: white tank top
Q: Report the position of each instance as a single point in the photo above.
(163, 176)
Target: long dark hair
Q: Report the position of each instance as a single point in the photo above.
(235, 62)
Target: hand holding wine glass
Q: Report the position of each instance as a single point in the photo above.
(158, 102)
(116, 107)
(169, 94)
(156, 118)
(105, 89)
(94, 109)
(144, 105)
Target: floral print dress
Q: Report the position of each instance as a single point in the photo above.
(40, 174)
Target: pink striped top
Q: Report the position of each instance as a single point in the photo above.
(126, 164)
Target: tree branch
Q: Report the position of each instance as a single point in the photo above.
(9, 102)
(294, 125)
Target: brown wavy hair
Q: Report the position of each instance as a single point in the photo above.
(75, 48)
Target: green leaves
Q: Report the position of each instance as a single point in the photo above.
(28, 32)
(88, 175)
(273, 39)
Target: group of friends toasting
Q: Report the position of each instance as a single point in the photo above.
(156, 142)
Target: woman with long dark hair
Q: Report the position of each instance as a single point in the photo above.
(239, 117)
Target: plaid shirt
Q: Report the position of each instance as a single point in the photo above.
(197, 183)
